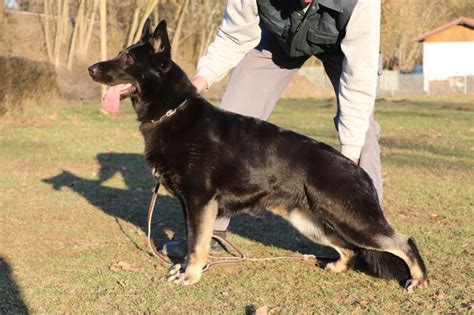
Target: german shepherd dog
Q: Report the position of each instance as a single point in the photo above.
(217, 163)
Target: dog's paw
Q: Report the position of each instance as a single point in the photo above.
(413, 284)
(188, 277)
(176, 269)
(336, 266)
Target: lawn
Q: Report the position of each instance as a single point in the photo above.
(74, 189)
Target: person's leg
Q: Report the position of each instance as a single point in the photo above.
(256, 85)
(370, 155)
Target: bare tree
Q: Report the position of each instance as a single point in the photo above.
(208, 19)
(179, 27)
(103, 33)
(78, 25)
(89, 21)
(59, 23)
(62, 7)
(148, 9)
(143, 9)
(402, 21)
(461, 8)
(2, 6)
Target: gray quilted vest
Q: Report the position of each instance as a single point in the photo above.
(317, 31)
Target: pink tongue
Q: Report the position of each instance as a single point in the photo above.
(111, 100)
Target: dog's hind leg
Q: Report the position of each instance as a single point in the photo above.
(379, 236)
(315, 230)
(404, 247)
(346, 258)
(200, 221)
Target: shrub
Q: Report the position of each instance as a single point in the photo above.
(23, 82)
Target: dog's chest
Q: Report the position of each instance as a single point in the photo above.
(166, 177)
(163, 169)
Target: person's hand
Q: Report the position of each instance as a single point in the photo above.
(200, 83)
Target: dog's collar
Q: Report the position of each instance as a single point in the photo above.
(168, 114)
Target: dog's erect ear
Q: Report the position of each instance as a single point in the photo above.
(147, 31)
(161, 42)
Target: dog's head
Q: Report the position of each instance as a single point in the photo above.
(149, 58)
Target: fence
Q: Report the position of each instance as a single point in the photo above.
(394, 83)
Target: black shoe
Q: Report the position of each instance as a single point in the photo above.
(217, 246)
(175, 248)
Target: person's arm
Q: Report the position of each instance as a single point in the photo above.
(237, 35)
(358, 82)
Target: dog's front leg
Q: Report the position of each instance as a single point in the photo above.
(200, 222)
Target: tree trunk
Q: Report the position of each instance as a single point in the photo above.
(77, 26)
(103, 33)
(179, 27)
(148, 10)
(47, 33)
(2, 5)
(90, 27)
(59, 32)
(82, 26)
(134, 25)
(156, 16)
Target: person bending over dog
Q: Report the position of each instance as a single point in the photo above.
(268, 41)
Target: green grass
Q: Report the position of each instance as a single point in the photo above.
(74, 189)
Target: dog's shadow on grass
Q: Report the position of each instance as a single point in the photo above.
(131, 205)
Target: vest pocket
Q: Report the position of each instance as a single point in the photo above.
(319, 36)
(320, 41)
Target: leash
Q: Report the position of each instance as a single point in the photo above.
(238, 255)
(161, 258)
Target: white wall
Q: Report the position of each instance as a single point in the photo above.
(444, 60)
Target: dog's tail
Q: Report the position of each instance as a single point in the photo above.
(383, 264)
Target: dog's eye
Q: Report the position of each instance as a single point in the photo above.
(128, 58)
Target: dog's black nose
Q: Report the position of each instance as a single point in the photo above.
(94, 69)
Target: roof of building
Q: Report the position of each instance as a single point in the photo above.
(459, 21)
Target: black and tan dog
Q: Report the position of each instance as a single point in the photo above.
(218, 163)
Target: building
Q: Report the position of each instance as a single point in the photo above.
(448, 56)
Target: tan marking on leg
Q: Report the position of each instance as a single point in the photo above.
(301, 219)
(278, 210)
(398, 246)
(415, 270)
(344, 262)
(418, 280)
(198, 256)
